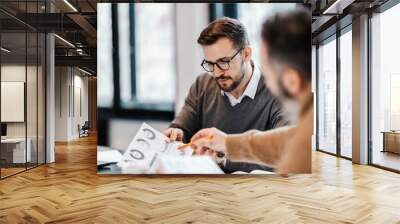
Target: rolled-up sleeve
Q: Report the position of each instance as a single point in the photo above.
(263, 147)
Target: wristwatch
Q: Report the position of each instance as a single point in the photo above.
(220, 159)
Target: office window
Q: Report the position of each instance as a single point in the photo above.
(124, 52)
(154, 53)
(385, 88)
(252, 15)
(346, 94)
(147, 65)
(105, 91)
(327, 96)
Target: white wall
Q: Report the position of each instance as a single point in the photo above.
(189, 53)
(61, 103)
(81, 82)
(67, 115)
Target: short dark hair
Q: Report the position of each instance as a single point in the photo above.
(226, 27)
(288, 39)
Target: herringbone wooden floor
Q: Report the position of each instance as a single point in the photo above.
(70, 191)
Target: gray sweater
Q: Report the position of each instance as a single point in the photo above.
(206, 107)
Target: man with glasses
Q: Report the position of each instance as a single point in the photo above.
(231, 95)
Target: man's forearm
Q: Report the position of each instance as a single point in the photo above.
(258, 146)
(233, 166)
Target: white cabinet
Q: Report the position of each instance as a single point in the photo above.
(18, 149)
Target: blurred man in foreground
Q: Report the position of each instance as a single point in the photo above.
(286, 65)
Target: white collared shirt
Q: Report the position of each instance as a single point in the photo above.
(250, 90)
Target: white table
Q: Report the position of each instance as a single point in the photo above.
(18, 144)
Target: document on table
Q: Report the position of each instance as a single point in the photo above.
(106, 155)
(151, 152)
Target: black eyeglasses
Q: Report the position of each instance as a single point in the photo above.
(222, 64)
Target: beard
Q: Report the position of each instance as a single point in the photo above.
(235, 83)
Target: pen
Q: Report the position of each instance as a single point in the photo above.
(188, 144)
(184, 146)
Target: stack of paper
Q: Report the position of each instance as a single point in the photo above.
(106, 155)
(151, 152)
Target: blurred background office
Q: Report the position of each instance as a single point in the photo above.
(48, 79)
(357, 83)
